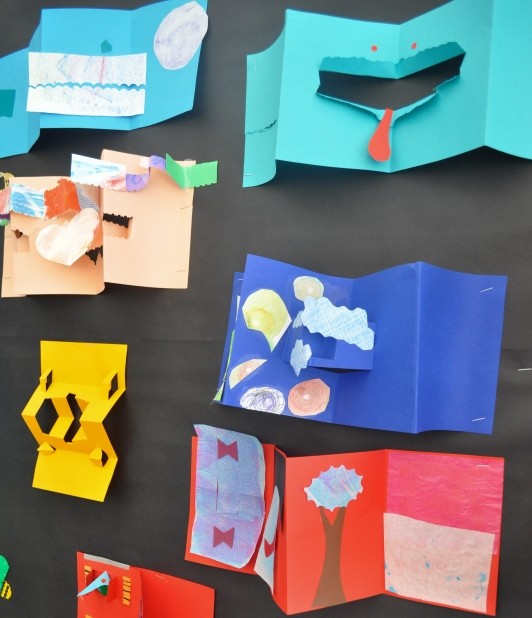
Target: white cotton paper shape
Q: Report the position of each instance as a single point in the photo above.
(179, 35)
(86, 100)
(65, 244)
(438, 564)
(308, 286)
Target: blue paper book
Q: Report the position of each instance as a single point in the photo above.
(412, 348)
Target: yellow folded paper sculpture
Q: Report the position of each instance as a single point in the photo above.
(79, 385)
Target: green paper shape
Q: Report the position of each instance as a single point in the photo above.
(4, 569)
(192, 176)
(219, 392)
(106, 47)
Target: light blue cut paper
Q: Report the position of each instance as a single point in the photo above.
(334, 488)
(487, 104)
(101, 580)
(323, 331)
(229, 495)
(349, 325)
(90, 171)
(300, 356)
(82, 31)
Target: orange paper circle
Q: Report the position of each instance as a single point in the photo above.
(309, 398)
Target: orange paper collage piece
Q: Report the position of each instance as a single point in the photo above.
(348, 526)
(133, 592)
(79, 385)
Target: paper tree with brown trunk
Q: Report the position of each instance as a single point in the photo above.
(333, 490)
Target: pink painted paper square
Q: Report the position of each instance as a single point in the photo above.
(449, 490)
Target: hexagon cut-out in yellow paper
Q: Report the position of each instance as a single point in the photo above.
(79, 385)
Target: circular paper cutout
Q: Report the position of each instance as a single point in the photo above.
(308, 286)
(179, 35)
(309, 398)
(263, 399)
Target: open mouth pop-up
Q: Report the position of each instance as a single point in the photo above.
(101, 69)
(328, 529)
(346, 93)
(411, 348)
(389, 90)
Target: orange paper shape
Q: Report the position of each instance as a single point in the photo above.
(61, 199)
(343, 520)
(147, 233)
(135, 592)
(78, 387)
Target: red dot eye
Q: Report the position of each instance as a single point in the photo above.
(374, 48)
(414, 45)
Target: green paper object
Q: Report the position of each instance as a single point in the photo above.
(5, 588)
(192, 176)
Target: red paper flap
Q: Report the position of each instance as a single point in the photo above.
(338, 561)
(164, 595)
(135, 592)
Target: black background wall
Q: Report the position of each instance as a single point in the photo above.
(471, 213)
